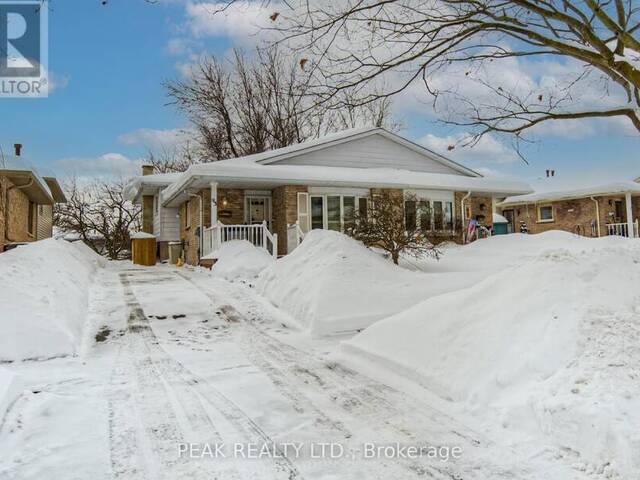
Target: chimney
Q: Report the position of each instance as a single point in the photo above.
(147, 169)
(18, 149)
(547, 173)
(553, 173)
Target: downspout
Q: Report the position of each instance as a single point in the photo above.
(464, 220)
(7, 209)
(201, 236)
(597, 214)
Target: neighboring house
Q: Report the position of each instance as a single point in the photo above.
(26, 202)
(273, 198)
(611, 209)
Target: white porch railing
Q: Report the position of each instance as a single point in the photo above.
(622, 229)
(258, 234)
(295, 235)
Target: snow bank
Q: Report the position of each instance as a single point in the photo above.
(549, 345)
(10, 388)
(333, 284)
(239, 259)
(43, 293)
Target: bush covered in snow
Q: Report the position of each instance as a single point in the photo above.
(44, 289)
(548, 346)
(240, 260)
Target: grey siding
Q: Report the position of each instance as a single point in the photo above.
(374, 151)
(44, 222)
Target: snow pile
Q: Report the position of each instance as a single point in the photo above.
(548, 346)
(333, 284)
(43, 292)
(239, 259)
(10, 389)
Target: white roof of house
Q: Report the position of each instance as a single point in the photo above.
(263, 170)
(11, 163)
(607, 189)
(231, 172)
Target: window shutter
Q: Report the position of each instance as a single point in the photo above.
(303, 211)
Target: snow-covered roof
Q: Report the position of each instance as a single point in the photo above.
(150, 182)
(607, 189)
(19, 167)
(497, 218)
(234, 172)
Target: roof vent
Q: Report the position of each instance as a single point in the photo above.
(18, 149)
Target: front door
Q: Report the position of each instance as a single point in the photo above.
(258, 210)
(509, 215)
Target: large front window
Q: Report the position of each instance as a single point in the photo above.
(336, 212)
(429, 215)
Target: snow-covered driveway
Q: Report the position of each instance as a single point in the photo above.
(193, 362)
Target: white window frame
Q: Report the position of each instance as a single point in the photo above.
(547, 220)
(431, 196)
(325, 216)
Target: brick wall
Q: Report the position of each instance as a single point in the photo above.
(284, 204)
(230, 206)
(16, 215)
(147, 213)
(575, 216)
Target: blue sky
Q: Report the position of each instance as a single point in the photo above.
(108, 64)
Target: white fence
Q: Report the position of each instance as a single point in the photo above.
(295, 235)
(622, 229)
(259, 235)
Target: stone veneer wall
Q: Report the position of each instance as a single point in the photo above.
(284, 204)
(14, 215)
(147, 213)
(230, 213)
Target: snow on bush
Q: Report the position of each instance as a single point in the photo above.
(333, 284)
(44, 292)
(550, 345)
(239, 259)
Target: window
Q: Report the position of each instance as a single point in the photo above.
(425, 215)
(31, 219)
(362, 208)
(448, 216)
(410, 215)
(317, 212)
(187, 214)
(348, 212)
(438, 218)
(545, 213)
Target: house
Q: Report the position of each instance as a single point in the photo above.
(273, 198)
(610, 209)
(26, 201)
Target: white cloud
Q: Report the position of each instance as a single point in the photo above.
(108, 165)
(154, 139)
(241, 21)
(488, 150)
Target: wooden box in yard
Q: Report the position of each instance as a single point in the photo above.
(143, 249)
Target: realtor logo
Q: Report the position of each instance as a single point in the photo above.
(23, 48)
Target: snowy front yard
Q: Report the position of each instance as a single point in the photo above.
(516, 364)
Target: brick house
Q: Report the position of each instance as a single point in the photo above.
(273, 198)
(26, 202)
(610, 209)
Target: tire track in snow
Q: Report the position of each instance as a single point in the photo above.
(212, 401)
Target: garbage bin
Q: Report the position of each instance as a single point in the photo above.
(175, 252)
(143, 249)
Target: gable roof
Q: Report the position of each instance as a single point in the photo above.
(22, 174)
(332, 139)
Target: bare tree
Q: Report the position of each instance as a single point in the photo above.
(169, 159)
(383, 227)
(248, 105)
(100, 215)
(446, 44)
